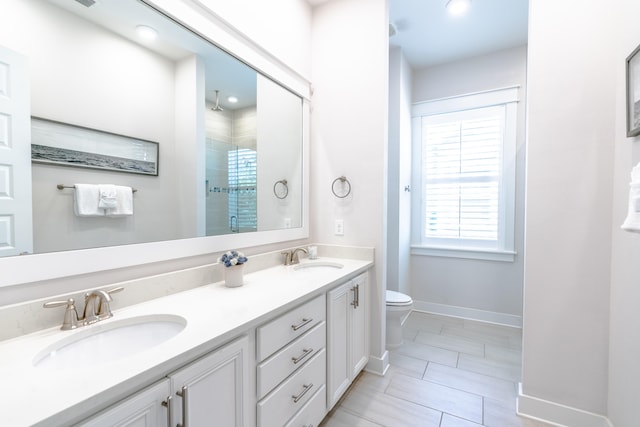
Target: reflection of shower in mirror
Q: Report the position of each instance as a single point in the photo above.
(217, 107)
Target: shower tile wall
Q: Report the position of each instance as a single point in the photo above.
(225, 130)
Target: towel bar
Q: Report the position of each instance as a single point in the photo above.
(62, 187)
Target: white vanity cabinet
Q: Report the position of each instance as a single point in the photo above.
(291, 370)
(213, 390)
(347, 335)
(144, 409)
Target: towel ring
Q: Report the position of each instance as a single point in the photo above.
(341, 193)
(283, 187)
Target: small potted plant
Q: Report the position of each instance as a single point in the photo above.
(233, 262)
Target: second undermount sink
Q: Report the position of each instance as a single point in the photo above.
(318, 266)
(104, 342)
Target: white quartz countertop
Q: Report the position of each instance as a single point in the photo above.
(214, 315)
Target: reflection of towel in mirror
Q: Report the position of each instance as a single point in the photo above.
(86, 197)
(107, 196)
(632, 222)
(124, 202)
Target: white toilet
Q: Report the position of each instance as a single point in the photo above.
(398, 309)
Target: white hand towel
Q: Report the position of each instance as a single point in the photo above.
(632, 222)
(124, 198)
(108, 198)
(86, 197)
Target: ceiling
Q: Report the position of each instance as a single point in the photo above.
(223, 71)
(429, 35)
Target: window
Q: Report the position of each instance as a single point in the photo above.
(467, 176)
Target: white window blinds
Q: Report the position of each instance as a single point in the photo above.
(462, 162)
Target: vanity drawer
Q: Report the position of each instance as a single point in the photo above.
(290, 396)
(279, 366)
(281, 331)
(312, 412)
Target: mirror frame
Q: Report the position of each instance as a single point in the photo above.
(201, 20)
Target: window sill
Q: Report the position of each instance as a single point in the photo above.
(466, 253)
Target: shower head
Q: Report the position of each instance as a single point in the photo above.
(217, 107)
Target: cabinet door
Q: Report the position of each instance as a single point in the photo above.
(359, 326)
(214, 389)
(338, 322)
(143, 409)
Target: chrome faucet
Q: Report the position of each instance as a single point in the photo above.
(96, 308)
(291, 256)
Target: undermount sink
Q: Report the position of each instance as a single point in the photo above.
(318, 266)
(104, 342)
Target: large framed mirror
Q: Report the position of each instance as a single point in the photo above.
(231, 139)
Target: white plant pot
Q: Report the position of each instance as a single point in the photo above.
(234, 276)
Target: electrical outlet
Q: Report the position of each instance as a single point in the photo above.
(338, 228)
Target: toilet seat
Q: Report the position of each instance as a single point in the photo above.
(397, 299)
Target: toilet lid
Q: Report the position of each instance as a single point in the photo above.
(397, 298)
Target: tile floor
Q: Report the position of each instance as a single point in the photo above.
(449, 372)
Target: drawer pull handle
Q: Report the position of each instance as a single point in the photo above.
(302, 393)
(183, 393)
(301, 324)
(305, 353)
(356, 296)
(167, 404)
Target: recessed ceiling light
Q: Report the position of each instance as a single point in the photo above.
(232, 99)
(458, 7)
(146, 33)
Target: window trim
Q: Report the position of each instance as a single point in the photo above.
(508, 97)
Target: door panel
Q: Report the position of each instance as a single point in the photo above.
(16, 234)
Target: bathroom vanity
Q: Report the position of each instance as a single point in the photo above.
(257, 355)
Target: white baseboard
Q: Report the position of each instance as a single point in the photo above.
(469, 313)
(557, 414)
(378, 366)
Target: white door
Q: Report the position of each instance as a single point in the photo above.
(16, 236)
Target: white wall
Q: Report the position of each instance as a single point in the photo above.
(624, 333)
(572, 74)
(399, 173)
(279, 156)
(349, 135)
(465, 285)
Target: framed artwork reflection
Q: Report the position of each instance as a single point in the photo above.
(64, 144)
(633, 93)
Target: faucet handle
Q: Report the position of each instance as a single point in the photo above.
(288, 255)
(70, 314)
(115, 290)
